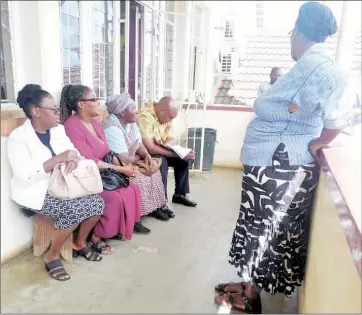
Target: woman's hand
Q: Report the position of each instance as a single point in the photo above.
(70, 166)
(315, 148)
(67, 156)
(148, 159)
(129, 170)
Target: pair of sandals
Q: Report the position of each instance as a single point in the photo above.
(56, 270)
(229, 301)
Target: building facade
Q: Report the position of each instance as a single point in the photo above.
(148, 48)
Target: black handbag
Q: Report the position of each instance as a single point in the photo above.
(111, 179)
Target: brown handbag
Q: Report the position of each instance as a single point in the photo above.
(83, 181)
(148, 170)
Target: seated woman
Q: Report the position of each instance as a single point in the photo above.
(34, 149)
(124, 138)
(122, 210)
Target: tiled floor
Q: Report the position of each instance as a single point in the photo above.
(172, 270)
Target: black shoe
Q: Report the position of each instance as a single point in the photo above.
(140, 229)
(168, 212)
(159, 215)
(183, 200)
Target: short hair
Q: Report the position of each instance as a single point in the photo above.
(316, 21)
(274, 69)
(170, 101)
(29, 95)
(71, 95)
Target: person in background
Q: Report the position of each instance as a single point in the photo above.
(34, 149)
(155, 124)
(124, 138)
(122, 211)
(281, 156)
(275, 74)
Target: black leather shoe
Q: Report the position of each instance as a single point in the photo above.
(168, 212)
(139, 228)
(183, 200)
(159, 214)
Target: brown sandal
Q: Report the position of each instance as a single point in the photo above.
(250, 306)
(221, 288)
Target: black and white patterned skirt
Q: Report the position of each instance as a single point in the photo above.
(67, 213)
(269, 244)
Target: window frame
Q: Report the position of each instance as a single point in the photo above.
(80, 42)
(8, 67)
(225, 65)
(229, 31)
(115, 50)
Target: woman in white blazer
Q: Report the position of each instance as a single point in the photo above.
(34, 149)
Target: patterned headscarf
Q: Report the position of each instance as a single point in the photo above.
(116, 104)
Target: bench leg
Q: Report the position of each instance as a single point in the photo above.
(43, 229)
(67, 248)
(42, 235)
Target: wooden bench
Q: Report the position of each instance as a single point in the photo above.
(42, 235)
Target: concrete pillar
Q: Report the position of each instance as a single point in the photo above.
(346, 38)
(49, 42)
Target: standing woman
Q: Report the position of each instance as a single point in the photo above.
(34, 149)
(279, 154)
(122, 211)
(124, 138)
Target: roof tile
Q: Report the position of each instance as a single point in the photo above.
(259, 54)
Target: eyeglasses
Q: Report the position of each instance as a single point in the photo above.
(56, 111)
(90, 100)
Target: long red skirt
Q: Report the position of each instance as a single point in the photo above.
(122, 210)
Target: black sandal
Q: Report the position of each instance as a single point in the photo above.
(101, 247)
(87, 253)
(56, 270)
(220, 288)
(251, 306)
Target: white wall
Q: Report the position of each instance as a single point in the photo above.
(231, 127)
(16, 229)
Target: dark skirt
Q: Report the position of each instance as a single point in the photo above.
(67, 213)
(269, 245)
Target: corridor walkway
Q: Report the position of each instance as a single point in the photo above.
(172, 270)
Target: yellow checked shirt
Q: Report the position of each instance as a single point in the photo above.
(150, 127)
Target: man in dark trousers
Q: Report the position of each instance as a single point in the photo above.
(155, 124)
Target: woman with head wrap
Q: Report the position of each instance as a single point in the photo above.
(124, 138)
(280, 156)
(122, 212)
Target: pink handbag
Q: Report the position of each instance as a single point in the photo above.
(83, 181)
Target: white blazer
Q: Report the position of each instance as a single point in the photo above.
(27, 154)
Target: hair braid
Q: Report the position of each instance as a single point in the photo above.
(71, 95)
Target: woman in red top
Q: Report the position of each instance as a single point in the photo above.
(122, 211)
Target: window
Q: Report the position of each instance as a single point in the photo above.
(226, 62)
(259, 14)
(70, 42)
(229, 29)
(7, 77)
(102, 47)
(169, 47)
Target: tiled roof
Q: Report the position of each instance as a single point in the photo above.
(258, 55)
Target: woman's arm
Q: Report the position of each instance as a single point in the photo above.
(326, 137)
(25, 168)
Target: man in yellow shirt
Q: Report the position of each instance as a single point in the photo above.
(155, 124)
